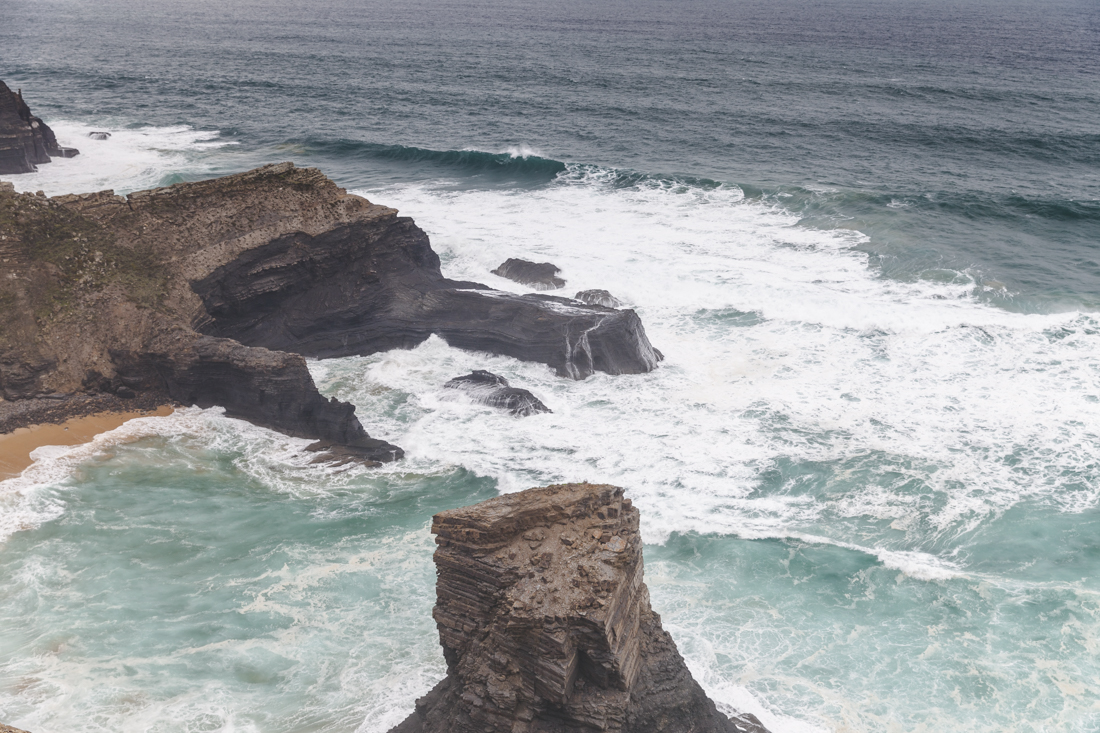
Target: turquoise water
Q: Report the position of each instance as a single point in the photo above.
(865, 235)
(196, 582)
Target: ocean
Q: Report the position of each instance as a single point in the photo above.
(864, 233)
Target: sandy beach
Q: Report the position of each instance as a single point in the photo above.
(16, 446)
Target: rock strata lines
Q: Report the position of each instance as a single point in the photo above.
(546, 624)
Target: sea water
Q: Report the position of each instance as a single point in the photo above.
(866, 236)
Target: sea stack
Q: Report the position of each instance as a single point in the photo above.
(25, 140)
(546, 624)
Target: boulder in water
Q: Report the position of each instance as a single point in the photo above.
(539, 275)
(99, 135)
(487, 388)
(599, 297)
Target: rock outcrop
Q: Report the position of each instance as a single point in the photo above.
(546, 624)
(269, 388)
(25, 140)
(539, 275)
(598, 297)
(210, 293)
(490, 389)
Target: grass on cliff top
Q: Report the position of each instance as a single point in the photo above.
(85, 256)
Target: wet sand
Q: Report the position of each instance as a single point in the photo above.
(16, 446)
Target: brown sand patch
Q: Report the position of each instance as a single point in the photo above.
(16, 446)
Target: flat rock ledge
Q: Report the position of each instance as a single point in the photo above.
(546, 624)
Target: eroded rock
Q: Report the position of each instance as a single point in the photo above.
(546, 624)
(210, 293)
(539, 275)
(25, 140)
(487, 388)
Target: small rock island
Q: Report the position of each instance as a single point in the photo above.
(546, 624)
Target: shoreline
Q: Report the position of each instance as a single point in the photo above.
(17, 445)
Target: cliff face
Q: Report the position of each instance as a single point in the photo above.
(212, 292)
(96, 295)
(25, 140)
(546, 624)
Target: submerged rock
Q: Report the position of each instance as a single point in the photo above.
(546, 625)
(539, 275)
(99, 135)
(25, 140)
(599, 297)
(489, 389)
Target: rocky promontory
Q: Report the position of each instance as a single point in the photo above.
(211, 293)
(25, 140)
(546, 624)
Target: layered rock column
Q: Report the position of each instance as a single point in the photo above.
(546, 624)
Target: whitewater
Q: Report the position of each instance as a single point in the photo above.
(867, 501)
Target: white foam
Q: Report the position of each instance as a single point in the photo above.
(278, 461)
(130, 159)
(522, 151)
(782, 346)
(928, 411)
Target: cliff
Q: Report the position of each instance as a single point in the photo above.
(25, 140)
(211, 293)
(546, 624)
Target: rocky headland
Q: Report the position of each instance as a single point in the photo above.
(25, 140)
(214, 292)
(546, 624)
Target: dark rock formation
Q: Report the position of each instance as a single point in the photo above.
(539, 275)
(25, 140)
(487, 388)
(99, 135)
(270, 388)
(546, 624)
(575, 340)
(599, 297)
(374, 284)
(102, 293)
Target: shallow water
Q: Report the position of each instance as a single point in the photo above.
(865, 237)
